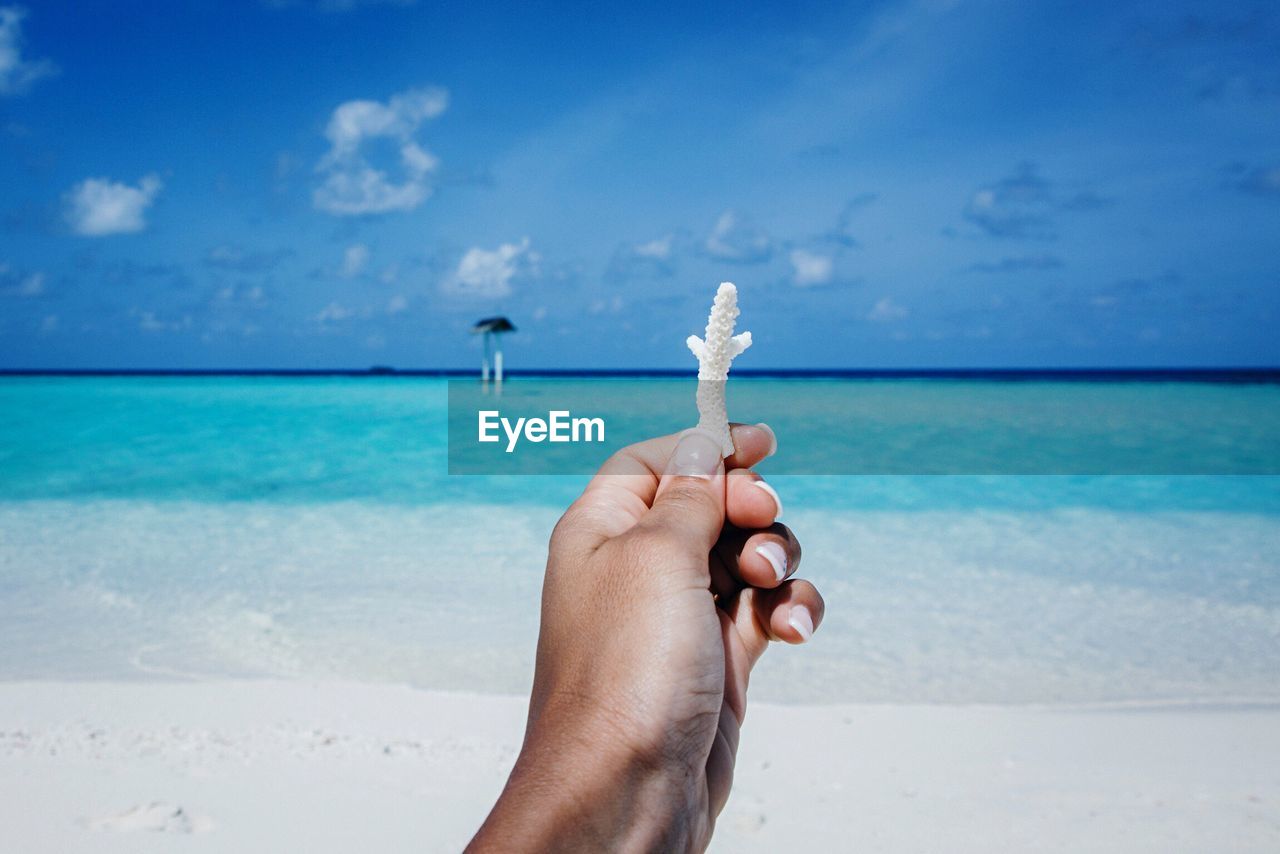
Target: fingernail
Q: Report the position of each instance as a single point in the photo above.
(773, 438)
(801, 620)
(697, 454)
(772, 494)
(777, 558)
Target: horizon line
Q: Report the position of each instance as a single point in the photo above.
(1219, 374)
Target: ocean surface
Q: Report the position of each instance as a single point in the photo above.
(199, 527)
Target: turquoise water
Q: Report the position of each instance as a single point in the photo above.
(332, 439)
(196, 527)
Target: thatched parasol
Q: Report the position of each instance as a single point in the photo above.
(491, 328)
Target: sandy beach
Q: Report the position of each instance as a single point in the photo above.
(336, 767)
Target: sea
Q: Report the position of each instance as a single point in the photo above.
(270, 526)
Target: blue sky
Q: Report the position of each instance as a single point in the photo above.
(928, 184)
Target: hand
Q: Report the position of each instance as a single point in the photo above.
(665, 582)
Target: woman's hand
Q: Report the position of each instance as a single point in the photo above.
(665, 582)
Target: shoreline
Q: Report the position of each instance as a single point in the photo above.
(243, 765)
(985, 606)
(160, 677)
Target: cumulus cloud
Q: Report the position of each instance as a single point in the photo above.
(15, 284)
(1023, 205)
(736, 240)
(240, 260)
(658, 249)
(487, 273)
(254, 295)
(1016, 264)
(16, 73)
(651, 258)
(100, 206)
(886, 311)
(333, 312)
(810, 269)
(149, 321)
(353, 183)
(613, 305)
(354, 260)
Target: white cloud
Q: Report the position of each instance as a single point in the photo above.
(13, 283)
(354, 185)
(487, 273)
(612, 306)
(887, 311)
(49, 324)
(31, 286)
(240, 260)
(333, 312)
(644, 260)
(17, 74)
(255, 295)
(397, 304)
(354, 260)
(810, 269)
(658, 250)
(99, 206)
(149, 322)
(733, 239)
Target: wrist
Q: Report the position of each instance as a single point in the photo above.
(577, 786)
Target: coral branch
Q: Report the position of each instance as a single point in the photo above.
(714, 355)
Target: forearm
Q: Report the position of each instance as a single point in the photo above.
(571, 792)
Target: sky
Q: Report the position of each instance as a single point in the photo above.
(343, 183)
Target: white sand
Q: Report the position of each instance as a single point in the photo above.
(294, 766)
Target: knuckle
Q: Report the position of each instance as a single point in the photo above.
(618, 458)
(570, 521)
(584, 522)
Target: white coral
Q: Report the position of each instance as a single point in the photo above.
(714, 357)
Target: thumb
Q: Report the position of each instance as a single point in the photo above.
(690, 500)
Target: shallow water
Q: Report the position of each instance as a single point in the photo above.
(194, 527)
